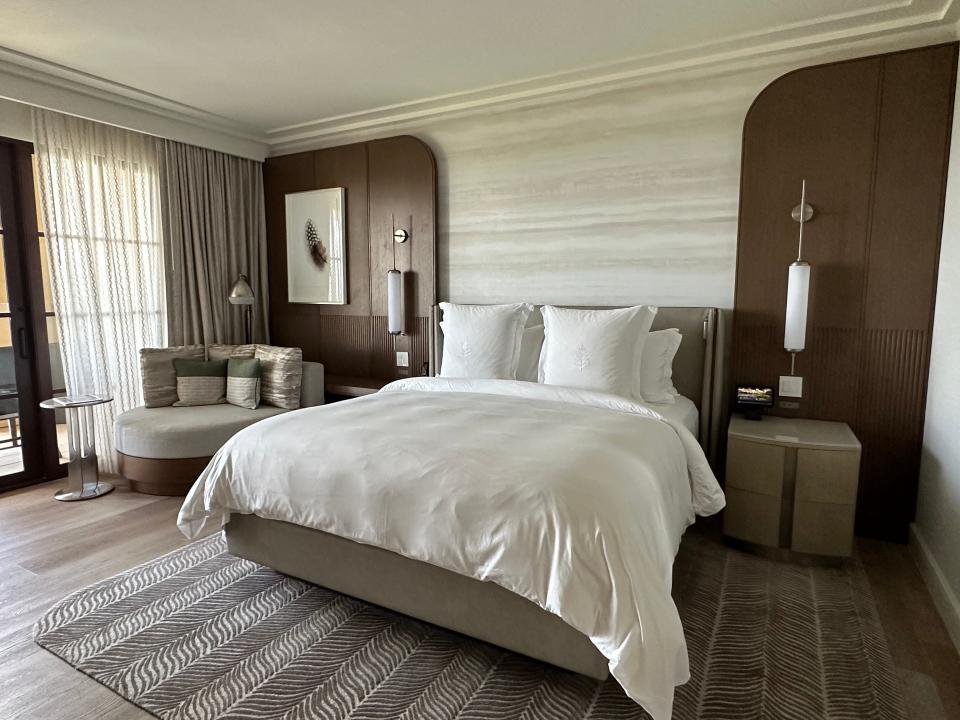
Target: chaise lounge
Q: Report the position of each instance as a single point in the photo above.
(162, 450)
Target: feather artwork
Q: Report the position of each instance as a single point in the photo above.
(318, 252)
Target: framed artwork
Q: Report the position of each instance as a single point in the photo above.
(316, 250)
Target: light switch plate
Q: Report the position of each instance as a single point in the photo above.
(403, 359)
(791, 386)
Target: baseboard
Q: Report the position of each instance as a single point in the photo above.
(943, 595)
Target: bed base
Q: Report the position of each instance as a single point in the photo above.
(481, 610)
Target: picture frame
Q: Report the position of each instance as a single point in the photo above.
(316, 247)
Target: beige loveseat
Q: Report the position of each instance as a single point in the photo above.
(162, 450)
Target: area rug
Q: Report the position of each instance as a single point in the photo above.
(199, 633)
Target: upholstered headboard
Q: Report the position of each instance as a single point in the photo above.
(696, 368)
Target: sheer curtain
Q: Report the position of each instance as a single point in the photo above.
(99, 186)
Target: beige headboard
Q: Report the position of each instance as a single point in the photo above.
(696, 368)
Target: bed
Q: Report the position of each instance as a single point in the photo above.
(492, 548)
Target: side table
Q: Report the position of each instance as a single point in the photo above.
(83, 480)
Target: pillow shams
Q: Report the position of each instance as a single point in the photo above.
(482, 341)
(200, 382)
(595, 349)
(656, 366)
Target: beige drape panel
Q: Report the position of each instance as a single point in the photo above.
(213, 230)
(99, 187)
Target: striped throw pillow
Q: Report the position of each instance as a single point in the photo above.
(243, 382)
(200, 382)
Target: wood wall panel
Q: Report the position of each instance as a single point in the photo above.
(385, 181)
(912, 158)
(871, 136)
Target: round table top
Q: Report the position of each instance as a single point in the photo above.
(74, 401)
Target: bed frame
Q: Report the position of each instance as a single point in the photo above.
(481, 610)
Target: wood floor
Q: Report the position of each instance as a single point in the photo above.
(49, 549)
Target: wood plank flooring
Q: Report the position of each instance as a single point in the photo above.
(49, 549)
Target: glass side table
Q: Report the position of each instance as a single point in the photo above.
(83, 480)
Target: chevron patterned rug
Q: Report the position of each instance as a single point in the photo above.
(199, 633)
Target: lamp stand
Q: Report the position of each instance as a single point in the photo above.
(248, 325)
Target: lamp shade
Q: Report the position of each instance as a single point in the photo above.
(395, 312)
(241, 293)
(798, 295)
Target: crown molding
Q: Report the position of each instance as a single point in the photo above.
(894, 25)
(932, 24)
(31, 80)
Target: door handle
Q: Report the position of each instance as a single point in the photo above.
(22, 343)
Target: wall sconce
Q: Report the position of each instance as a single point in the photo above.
(396, 312)
(798, 288)
(395, 324)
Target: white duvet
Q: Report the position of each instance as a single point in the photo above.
(573, 499)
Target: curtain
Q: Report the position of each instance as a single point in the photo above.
(99, 186)
(213, 230)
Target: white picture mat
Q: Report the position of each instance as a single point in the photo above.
(307, 283)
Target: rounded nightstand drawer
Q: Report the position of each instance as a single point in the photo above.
(827, 476)
(755, 467)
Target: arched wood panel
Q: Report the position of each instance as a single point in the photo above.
(871, 136)
(386, 181)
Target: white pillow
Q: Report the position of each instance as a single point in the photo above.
(656, 366)
(482, 341)
(595, 349)
(530, 346)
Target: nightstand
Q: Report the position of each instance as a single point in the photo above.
(792, 484)
(341, 387)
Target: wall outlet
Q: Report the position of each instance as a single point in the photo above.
(791, 386)
(403, 359)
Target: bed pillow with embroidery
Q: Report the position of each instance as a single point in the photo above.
(595, 349)
(482, 341)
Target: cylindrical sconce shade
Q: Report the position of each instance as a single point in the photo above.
(395, 313)
(798, 293)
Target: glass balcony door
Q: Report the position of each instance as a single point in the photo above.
(29, 449)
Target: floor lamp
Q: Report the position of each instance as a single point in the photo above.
(242, 294)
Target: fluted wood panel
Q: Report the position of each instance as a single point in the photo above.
(871, 136)
(890, 417)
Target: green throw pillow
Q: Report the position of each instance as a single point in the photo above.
(243, 382)
(200, 382)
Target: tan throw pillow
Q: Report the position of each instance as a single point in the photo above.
(281, 370)
(158, 375)
(225, 352)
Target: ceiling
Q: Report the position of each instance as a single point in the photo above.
(267, 66)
